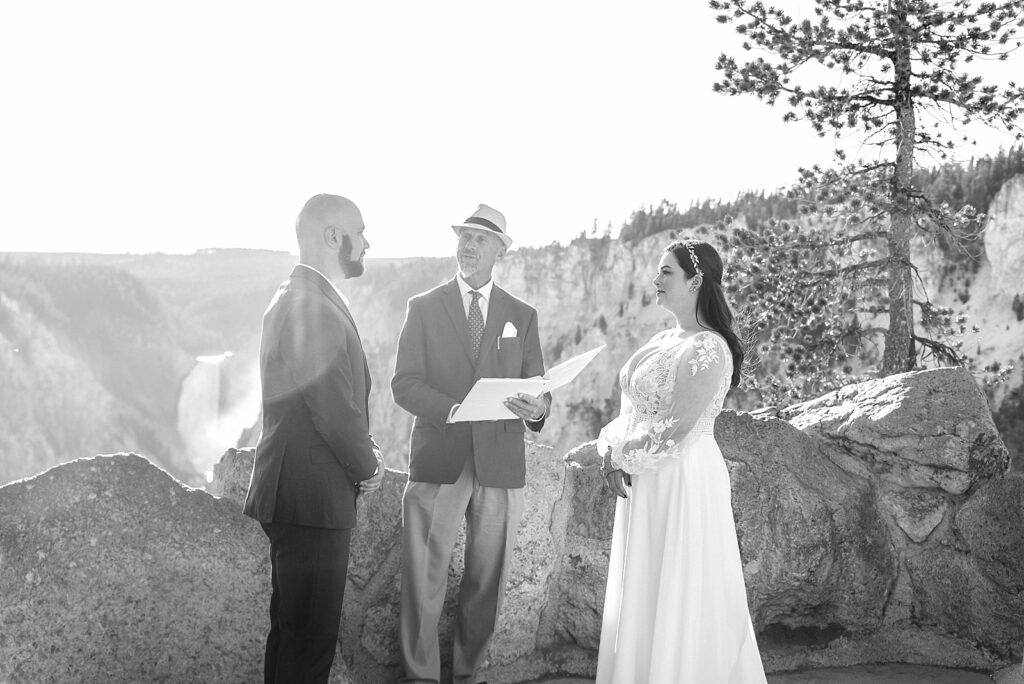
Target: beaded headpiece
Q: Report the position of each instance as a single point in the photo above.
(693, 257)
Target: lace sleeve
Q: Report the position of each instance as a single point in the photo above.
(702, 371)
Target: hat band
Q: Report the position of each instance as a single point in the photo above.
(485, 223)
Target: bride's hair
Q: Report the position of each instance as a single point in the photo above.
(712, 308)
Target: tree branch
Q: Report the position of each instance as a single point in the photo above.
(849, 239)
(823, 276)
(940, 350)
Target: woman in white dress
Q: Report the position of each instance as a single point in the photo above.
(675, 609)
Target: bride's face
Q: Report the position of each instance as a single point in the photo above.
(672, 285)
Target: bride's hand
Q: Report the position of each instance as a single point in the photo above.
(618, 480)
(635, 443)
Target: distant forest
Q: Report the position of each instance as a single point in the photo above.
(957, 184)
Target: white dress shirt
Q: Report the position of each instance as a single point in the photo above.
(467, 298)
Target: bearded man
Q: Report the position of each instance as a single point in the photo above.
(315, 453)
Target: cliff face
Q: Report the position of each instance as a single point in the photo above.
(1004, 239)
(876, 524)
(591, 292)
(89, 360)
(986, 294)
(998, 284)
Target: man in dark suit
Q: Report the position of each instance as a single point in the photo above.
(315, 453)
(455, 334)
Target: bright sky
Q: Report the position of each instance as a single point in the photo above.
(142, 126)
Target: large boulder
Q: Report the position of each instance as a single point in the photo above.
(929, 429)
(369, 636)
(925, 445)
(972, 584)
(816, 549)
(112, 571)
(833, 537)
(875, 524)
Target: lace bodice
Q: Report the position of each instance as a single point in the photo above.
(672, 390)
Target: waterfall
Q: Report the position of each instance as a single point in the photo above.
(220, 397)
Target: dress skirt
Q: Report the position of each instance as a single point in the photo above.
(675, 608)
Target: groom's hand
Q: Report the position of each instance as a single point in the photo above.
(373, 484)
(617, 481)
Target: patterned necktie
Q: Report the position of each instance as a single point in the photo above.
(476, 323)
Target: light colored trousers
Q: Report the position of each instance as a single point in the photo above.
(431, 516)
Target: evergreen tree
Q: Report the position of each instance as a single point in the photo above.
(901, 64)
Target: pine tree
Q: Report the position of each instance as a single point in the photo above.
(902, 64)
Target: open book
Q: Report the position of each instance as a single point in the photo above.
(486, 400)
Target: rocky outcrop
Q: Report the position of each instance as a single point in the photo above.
(918, 434)
(924, 446)
(971, 583)
(876, 524)
(112, 571)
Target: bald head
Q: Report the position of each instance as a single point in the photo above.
(323, 211)
(329, 231)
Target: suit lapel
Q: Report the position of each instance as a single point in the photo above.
(452, 299)
(497, 314)
(328, 290)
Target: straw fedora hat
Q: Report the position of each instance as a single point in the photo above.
(486, 218)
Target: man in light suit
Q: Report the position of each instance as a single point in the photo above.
(315, 452)
(461, 331)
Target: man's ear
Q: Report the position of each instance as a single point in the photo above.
(501, 251)
(332, 237)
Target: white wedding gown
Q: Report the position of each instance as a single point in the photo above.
(675, 609)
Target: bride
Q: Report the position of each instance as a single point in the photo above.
(675, 608)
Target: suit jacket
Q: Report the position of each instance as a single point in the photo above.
(315, 445)
(434, 371)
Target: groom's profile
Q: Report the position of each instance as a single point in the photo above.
(315, 452)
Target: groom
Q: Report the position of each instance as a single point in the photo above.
(476, 470)
(315, 452)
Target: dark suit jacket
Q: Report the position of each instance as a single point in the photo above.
(434, 371)
(315, 445)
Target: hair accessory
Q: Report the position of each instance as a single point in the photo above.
(693, 257)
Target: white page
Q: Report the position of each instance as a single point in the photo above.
(486, 401)
(566, 372)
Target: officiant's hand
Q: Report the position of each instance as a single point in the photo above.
(617, 481)
(373, 484)
(530, 409)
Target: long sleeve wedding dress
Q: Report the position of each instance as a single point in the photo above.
(675, 607)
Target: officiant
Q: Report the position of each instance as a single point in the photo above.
(463, 330)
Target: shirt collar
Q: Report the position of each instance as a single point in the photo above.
(342, 296)
(484, 289)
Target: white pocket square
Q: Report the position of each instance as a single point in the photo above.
(509, 331)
